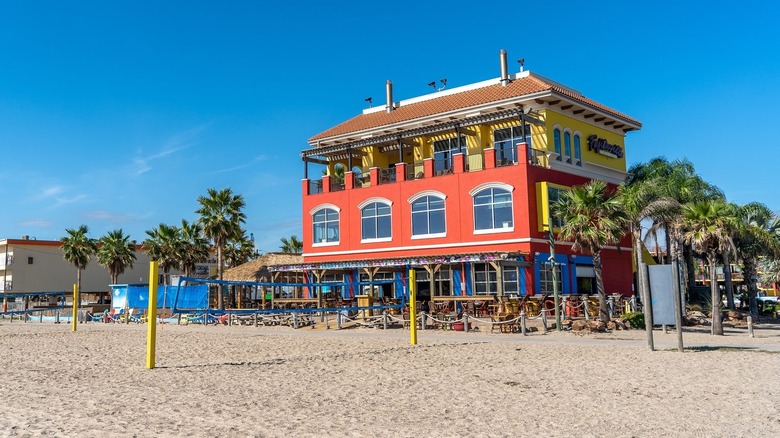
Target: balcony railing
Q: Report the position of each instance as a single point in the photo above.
(361, 181)
(336, 186)
(387, 176)
(315, 186)
(442, 166)
(415, 171)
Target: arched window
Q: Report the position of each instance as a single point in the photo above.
(577, 150)
(567, 146)
(375, 221)
(493, 209)
(325, 226)
(428, 215)
(557, 143)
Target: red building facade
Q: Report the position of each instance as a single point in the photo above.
(457, 185)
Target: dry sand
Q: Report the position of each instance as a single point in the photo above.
(269, 381)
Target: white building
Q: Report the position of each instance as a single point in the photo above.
(29, 265)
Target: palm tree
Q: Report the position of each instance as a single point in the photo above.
(221, 218)
(593, 217)
(116, 253)
(756, 234)
(291, 245)
(164, 246)
(193, 248)
(78, 249)
(708, 227)
(239, 251)
(770, 271)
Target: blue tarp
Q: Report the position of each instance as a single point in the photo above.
(137, 296)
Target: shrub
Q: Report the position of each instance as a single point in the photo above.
(636, 319)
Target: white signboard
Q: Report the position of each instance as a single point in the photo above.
(662, 291)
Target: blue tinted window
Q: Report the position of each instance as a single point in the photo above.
(325, 224)
(375, 221)
(493, 209)
(428, 216)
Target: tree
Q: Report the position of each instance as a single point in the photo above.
(78, 249)
(291, 245)
(164, 246)
(221, 218)
(593, 217)
(239, 250)
(708, 226)
(116, 253)
(193, 247)
(756, 233)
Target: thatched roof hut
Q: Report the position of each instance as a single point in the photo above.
(257, 269)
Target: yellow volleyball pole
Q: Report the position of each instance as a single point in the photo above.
(75, 319)
(412, 307)
(151, 317)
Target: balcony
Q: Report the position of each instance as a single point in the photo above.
(430, 168)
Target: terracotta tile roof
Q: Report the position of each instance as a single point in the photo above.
(468, 98)
(257, 269)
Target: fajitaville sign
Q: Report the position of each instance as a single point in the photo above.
(600, 146)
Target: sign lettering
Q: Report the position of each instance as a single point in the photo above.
(600, 146)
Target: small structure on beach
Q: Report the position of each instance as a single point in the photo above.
(260, 270)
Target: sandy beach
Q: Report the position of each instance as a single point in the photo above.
(277, 381)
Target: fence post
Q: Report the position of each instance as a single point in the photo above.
(338, 320)
(750, 325)
(466, 322)
(327, 322)
(522, 322)
(422, 321)
(295, 320)
(256, 318)
(57, 317)
(384, 320)
(544, 320)
(585, 308)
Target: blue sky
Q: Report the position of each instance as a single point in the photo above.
(120, 114)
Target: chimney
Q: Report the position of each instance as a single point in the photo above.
(389, 92)
(504, 68)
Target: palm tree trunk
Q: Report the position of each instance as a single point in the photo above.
(78, 287)
(727, 280)
(690, 270)
(717, 324)
(667, 236)
(644, 291)
(603, 309)
(751, 279)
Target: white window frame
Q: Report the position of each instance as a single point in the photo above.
(366, 203)
(417, 197)
(316, 210)
(492, 185)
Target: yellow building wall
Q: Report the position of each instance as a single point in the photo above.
(553, 118)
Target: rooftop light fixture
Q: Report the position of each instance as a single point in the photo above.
(369, 100)
(443, 84)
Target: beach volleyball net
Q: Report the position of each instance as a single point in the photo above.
(28, 305)
(196, 297)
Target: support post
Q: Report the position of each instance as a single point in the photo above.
(75, 319)
(677, 306)
(556, 296)
(648, 307)
(412, 307)
(750, 325)
(151, 319)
